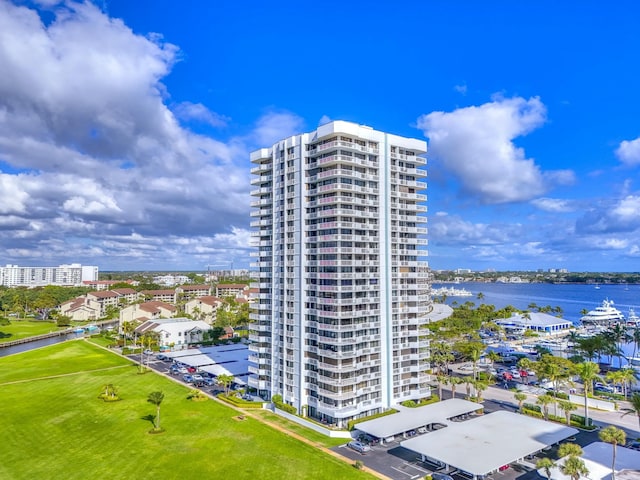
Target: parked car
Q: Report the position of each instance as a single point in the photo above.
(359, 447)
(187, 378)
(192, 369)
(197, 377)
(441, 476)
(507, 376)
(148, 352)
(634, 445)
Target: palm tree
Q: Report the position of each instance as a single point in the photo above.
(635, 338)
(544, 401)
(588, 372)
(574, 467)
(520, 397)
(480, 386)
(635, 406)
(626, 377)
(570, 450)
(545, 464)
(441, 379)
(454, 382)
(225, 381)
(567, 408)
(156, 399)
(615, 437)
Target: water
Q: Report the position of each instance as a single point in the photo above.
(572, 298)
(23, 347)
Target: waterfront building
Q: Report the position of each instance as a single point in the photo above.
(337, 327)
(63, 275)
(539, 322)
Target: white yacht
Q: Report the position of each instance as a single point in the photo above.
(632, 319)
(605, 314)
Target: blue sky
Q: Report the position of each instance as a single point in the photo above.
(125, 127)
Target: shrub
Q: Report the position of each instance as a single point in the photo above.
(530, 406)
(358, 464)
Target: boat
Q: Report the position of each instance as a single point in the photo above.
(451, 292)
(632, 319)
(604, 315)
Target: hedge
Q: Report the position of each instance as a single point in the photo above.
(238, 402)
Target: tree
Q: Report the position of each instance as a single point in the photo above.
(544, 401)
(156, 398)
(127, 329)
(574, 467)
(635, 406)
(588, 372)
(225, 381)
(480, 386)
(569, 449)
(615, 437)
(454, 382)
(471, 350)
(545, 464)
(556, 369)
(520, 398)
(623, 377)
(109, 392)
(567, 408)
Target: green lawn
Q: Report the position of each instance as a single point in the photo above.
(25, 328)
(57, 427)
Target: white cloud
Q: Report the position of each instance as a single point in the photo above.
(461, 89)
(621, 215)
(629, 152)
(475, 144)
(198, 112)
(553, 205)
(94, 163)
(275, 126)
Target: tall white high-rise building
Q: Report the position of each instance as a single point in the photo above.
(63, 275)
(340, 226)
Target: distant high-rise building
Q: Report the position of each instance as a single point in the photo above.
(63, 275)
(338, 327)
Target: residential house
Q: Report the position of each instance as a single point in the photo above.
(80, 310)
(141, 312)
(126, 296)
(203, 308)
(233, 290)
(168, 296)
(188, 292)
(104, 299)
(175, 333)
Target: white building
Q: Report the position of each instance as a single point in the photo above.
(63, 275)
(343, 291)
(175, 333)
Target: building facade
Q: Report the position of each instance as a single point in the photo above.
(64, 275)
(340, 227)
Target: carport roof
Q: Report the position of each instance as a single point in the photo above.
(484, 444)
(412, 418)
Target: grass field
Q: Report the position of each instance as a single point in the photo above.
(55, 426)
(25, 328)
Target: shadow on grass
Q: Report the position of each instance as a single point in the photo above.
(151, 418)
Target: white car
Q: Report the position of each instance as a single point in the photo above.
(359, 446)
